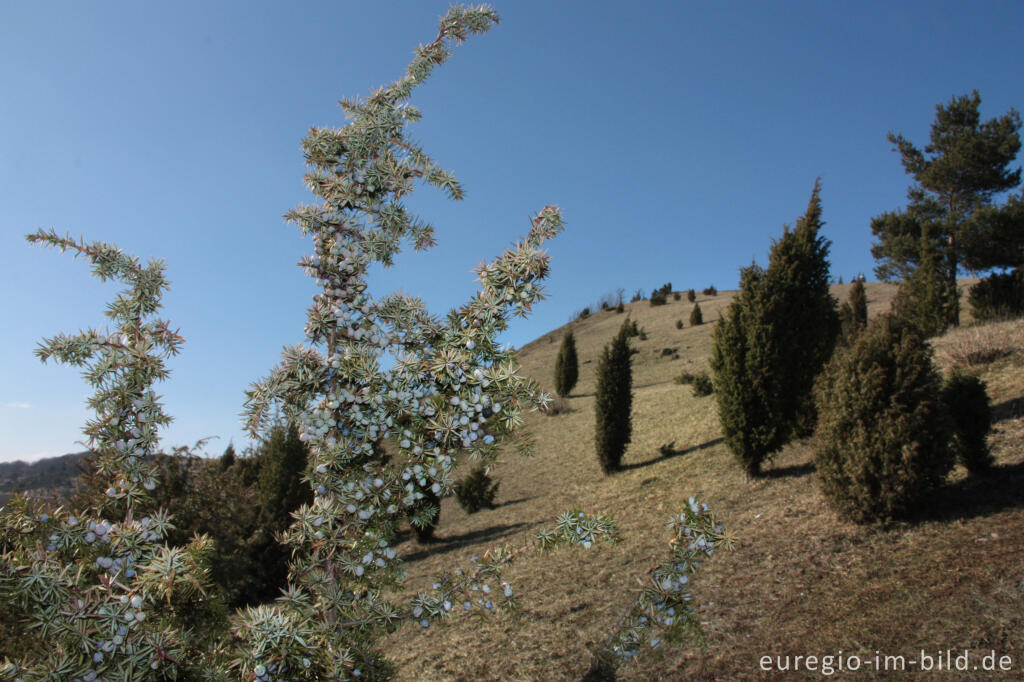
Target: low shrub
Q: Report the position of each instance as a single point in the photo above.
(998, 296)
(691, 295)
(966, 399)
(882, 438)
(702, 385)
(982, 344)
(658, 298)
(679, 324)
(711, 291)
(696, 316)
(476, 491)
(676, 296)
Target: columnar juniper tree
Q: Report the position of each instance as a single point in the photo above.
(956, 177)
(853, 313)
(567, 369)
(777, 334)
(613, 401)
(101, 595)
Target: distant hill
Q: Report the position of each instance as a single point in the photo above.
(52, 474)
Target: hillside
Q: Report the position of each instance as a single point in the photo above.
(798, 581)
(52, 476)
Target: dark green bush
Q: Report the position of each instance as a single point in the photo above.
(967, 402)
(658, 298)
(711, 291)
(613, 401)
(691, 295)
(702, 385)
(476, 491)
(882, 438)
(676, 296)
(696, 316)
(998, 296)
(620, 308)
(679, 324)
(566, 366)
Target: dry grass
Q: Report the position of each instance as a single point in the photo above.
(982, 344)
(798, 582)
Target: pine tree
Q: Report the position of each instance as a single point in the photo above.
(777, 334)
(691, 295)
(613, 401)
(955, 180)
(696, 317)
(566, 366)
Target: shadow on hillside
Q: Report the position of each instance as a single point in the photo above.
(515, 501)
(792, 471)
(979, 495)
(669, 451)
(1008, 409)
(443, 544)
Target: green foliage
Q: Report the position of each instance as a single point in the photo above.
(665, 598)
(926, 298)
(710, 291)
(620, 308)
(691, 295)
(679, 324)
(567, 370)
(424, 517)
(613, 401)
(638, 295)
(476, 491)
(967, 402)
(702, 385)
(148, 605)
(853, 314)
(676, 296)
(696, 316)
(882, 442)
(228, 459)
(771, 343)
(998, 296)
(660, 295)
(956, 176)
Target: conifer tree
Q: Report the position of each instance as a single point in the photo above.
(227, 460)
(853, 313)
(691, 295)
(882, 440)
(923, 299)
(613, 402)
(776, 335)
(956, 178)
(566, 366)
(696, 316)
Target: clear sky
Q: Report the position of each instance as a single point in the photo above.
(677, 137)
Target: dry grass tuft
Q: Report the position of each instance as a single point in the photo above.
(982, 344)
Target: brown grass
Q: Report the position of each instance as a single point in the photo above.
(798, 582)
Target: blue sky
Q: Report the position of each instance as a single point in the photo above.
(676, 137)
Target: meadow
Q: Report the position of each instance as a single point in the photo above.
(798, 582)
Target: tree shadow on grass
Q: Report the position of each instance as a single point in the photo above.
(518, 500)
(443, 544)
(978, 495)
(791, 471)
(1008, 409)
(669, 451)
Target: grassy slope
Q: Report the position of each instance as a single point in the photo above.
(798, 582)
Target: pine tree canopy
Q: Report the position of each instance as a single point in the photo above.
(956, 180)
